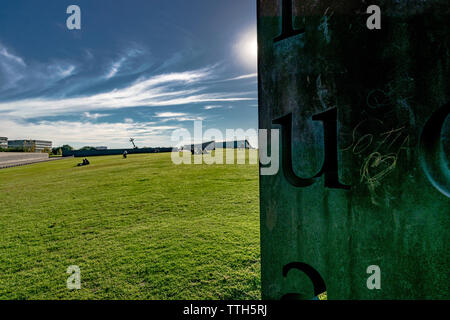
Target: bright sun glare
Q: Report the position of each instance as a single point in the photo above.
(247, 48)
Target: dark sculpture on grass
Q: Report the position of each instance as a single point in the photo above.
(132, 141)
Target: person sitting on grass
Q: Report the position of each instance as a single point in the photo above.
(84, 163)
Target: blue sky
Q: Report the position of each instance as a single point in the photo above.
(137, 68)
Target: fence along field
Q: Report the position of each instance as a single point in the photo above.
(13, 159)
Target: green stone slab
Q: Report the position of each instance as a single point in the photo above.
(373, 187)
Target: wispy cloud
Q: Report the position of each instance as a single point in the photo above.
(49, 95)
(245, 76)
(79, 133)
(12, 69)
(169, 114)
(4, 52)
(161, 90)
(123, 60)
(95, 116)
(177, 116)
(212, 107)
(16, 76)
(114, 68)
(64, 71)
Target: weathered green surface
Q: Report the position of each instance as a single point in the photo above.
(385, 84)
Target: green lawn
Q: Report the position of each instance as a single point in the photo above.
(139, 228)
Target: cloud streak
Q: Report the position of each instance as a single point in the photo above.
(16, 76)
(161, 90)
(245, 76)
(118, 65)
(176, 116)
(4, 52)
(169, 114)
(212, 107)
(79, 133)
(95, 116)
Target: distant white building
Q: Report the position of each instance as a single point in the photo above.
(3, 142)
(31, 145)
(199, 148)
(206, 147)
(236, 144)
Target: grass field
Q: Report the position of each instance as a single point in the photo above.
(139, 228)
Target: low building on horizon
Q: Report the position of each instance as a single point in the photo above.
(208, 146)
(3, 142)
(31, 145)
(236, 144)
(199, 148)
(101, 148)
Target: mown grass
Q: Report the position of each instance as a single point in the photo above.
(139, 228)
